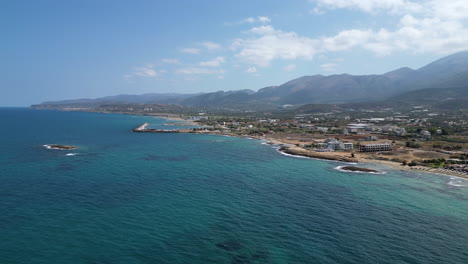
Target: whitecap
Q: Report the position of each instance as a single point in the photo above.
(71, 154)
(457, 182)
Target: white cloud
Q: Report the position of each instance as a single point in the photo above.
(251, 70)
(170, 61)
(210, 45)
(425, 27)
(251, 20)
(267, 44)
(263, 19)
(329, 67)
(213, 63)
(190, 50)
(371, 6)
(453, 9)
(262, 30)
(144, 71)
(446, 9)
(198, 70)
(290, 67)
(317, 11)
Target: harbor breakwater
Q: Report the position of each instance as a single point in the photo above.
(143, 128)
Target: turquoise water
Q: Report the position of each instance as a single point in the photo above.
(176, 198)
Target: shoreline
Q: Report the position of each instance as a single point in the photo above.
(333, 156)
(291, 149)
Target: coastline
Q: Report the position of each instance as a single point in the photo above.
(290, 148)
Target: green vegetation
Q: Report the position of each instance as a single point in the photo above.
(412, 144)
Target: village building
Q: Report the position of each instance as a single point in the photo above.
(376, 147)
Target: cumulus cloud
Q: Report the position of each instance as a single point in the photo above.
(198, 70)
(424, 27)
(216, 62)
(263, 19)
(266, 44)
(251, 20)
(371, 6)
(190, 50)
(251, 70)
(144, 71)
(210, 45)
(170, 61)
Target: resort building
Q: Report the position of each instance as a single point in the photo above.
(333, 144)
(376, 147)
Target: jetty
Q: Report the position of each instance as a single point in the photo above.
(143, 128)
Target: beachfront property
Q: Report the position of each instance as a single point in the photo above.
(332, 144)
(376, 147)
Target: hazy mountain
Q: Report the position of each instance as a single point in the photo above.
(219, 98)
(431, 98)
(441, 98)
(448, 72)
(149, 98)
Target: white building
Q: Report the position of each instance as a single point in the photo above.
(376, 147)
(334, 144)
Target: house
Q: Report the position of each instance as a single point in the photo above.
(356, 128)
(347, 146)
(426, 135)
(322, 129)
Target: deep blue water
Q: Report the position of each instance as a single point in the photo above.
(176, 198)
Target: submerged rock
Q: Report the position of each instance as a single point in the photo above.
(56, 146)
(352, 168)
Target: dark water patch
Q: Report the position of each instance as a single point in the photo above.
(240, 259)
(230, 245)
(66, 166)
(152, 157)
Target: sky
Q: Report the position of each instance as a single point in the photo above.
(54, 50)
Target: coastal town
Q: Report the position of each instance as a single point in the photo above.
(405, 142)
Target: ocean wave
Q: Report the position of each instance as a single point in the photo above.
(277, 148)
(71, 154)
(457, 182)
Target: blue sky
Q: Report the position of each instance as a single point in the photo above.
(54, 50)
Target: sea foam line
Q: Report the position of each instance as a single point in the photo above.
(457, 182)
(340, 168)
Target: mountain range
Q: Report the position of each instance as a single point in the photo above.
(448, 72)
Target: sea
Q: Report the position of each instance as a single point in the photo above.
(140, 198)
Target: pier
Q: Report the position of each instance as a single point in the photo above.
(143, 128)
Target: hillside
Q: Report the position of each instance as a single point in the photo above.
(448, 72)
